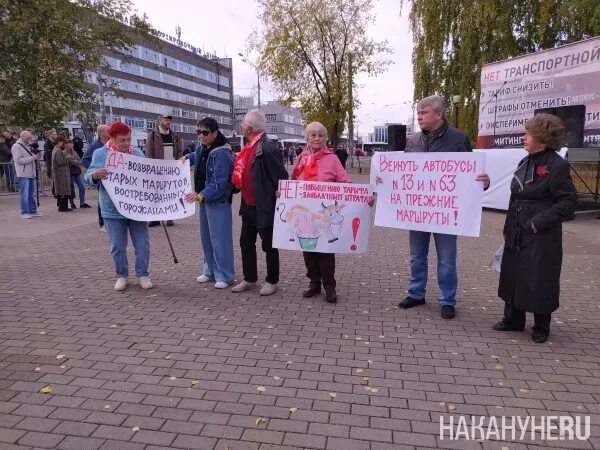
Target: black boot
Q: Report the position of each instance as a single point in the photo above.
(504, 325)
(314, 288)
(330, 296)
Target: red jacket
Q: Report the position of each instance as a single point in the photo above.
(329, 168)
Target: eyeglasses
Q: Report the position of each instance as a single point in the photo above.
(203, 132)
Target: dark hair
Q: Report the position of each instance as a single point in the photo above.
(60, 138)
(118, 128)
(547, 129)
(210, 123)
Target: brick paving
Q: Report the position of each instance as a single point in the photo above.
(180, 366)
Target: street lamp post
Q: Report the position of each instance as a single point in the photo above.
(257, 74)
(112, 96)
(456, 100)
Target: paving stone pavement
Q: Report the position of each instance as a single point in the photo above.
(184, 365)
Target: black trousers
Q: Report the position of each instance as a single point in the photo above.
(248, 245)
(516, 318)
(320, 268)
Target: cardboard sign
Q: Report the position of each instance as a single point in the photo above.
(146, 189)
(434, 192)
(313, 216)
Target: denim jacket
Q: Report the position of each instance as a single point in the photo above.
(219, 168)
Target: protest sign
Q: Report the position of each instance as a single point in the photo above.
(313, 216)
(148, 189)
(434, 192)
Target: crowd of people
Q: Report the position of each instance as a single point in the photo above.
(542, 197)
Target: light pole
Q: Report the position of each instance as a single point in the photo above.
(412, 107)
(112, 96)
(456, 99)
(257, 74)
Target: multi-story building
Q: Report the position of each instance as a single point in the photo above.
(166, 76)
(282, 121)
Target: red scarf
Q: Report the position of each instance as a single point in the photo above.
(241, 161)
(111, 148)
(307, 167)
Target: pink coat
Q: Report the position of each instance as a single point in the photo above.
(329, 168)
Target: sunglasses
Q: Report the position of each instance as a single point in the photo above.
(203, 132)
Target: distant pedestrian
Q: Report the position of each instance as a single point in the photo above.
(26, 170)
(163, 143)
(256, 173)
(78, 145)
(291, 154)
(61, 175)
(7, 168)
(342, 155)
(51, 135)
(76, 178)
(117, 226)
(102, 139)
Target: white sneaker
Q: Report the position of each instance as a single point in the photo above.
(25, 216)
(37, 214)
(145, 282)
(268, 289)
(121, 284)
(243, 286)
(103, 229)
(204, 279)
(221, 285)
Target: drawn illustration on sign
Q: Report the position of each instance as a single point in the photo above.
(308, 226)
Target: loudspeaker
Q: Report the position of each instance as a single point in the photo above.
(574, 119)
(396, 137)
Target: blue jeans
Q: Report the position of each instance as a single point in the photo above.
(217, 241)
(27, 187)
(77, 179)
(117, 236)
(445, 245)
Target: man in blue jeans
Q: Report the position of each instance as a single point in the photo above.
(25, 164)
(435, 136)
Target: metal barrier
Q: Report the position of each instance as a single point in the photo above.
(9, 183)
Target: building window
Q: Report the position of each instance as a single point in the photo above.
(271, 117)
(271, 129)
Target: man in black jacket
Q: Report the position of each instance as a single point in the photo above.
(435, 136)
(48, 148)
(257, 171)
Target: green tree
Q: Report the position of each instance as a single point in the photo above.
(304, 48)
(454, 38)
(49, 47)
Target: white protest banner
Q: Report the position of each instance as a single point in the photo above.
(313, 216)
(374, 171)
(148, 189)
(434, 192)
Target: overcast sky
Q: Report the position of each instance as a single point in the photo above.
(223, 26)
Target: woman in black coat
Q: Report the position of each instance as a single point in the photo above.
(542, 197)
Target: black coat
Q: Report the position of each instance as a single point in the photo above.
(531, 264)
(267, 170)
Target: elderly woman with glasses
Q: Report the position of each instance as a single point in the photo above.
(213, 161)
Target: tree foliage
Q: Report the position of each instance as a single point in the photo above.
(49, 46)
(305, 47)
(454, 38)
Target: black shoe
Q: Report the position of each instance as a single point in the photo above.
(313, 289)
(170, 223)
(410, 302)
(154, 224)
(331, 296)
(503, 325)
(73, 206)
(539, 337)
(84, 205)
(448, 312)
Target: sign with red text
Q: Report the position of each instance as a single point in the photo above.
(146, 189)
(513, 89)
(434, 192)
(314, 216)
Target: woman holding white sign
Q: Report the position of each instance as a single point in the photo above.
(213, 161)
(116, 225)
(319, 163)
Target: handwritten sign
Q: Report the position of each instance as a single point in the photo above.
(148, 189)
(434, 192)
(313, 216)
